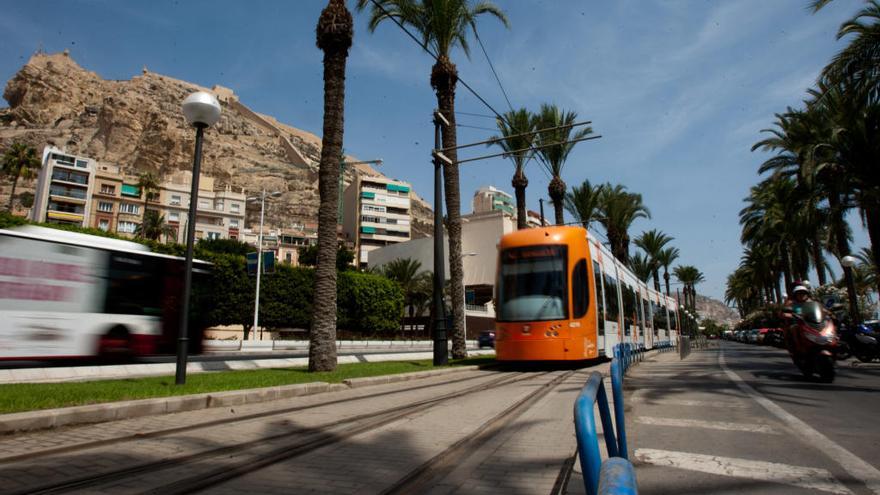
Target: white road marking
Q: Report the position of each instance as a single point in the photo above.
(690, 403)
(711, 425)
(804, 477)
(852, 463)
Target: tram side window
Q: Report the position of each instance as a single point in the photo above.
(646, 310)
(612, 311)
(600, 298)
(580, 289)
(662, 319)
(629, 309)
(673, 320)
(133, 287)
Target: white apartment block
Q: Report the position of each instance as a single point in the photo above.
(488, 199)
(64, 188)
(376, 214)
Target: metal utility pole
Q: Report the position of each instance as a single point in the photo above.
(541, 202)
(441, 349)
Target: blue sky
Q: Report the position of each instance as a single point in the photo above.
(679, 90)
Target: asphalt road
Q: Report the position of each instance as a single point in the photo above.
(740, 418)
(846, 411)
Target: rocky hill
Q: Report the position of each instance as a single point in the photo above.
(137, 124)
(716, 310)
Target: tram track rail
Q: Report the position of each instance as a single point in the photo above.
(441, 465)
(258, 453)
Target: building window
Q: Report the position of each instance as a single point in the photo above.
(379, 209)
(233, 223)
(130, 208)
(104, 224)
(105, 206)
(173, 217)
(126, 227)
(218, 205)
(204, 203)
(67, 160)
(108, 189)
(235, 207)
(175, 200)
(66, 207)
(213, 235)
(69, 176)
(367, 218)
(82, 164)
(67, 191)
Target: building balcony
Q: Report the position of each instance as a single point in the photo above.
(65, 216)
(67, 199)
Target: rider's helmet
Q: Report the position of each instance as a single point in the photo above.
(800, 288)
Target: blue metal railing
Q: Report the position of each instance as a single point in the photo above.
(594, 394)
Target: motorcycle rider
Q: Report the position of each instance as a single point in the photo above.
(800, 295)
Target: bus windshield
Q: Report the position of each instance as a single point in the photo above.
(532, 284)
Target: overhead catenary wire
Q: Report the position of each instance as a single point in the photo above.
(426, 48)
(492, 66)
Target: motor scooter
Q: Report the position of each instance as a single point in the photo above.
(812, 341)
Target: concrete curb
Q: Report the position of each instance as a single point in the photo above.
(113, 411)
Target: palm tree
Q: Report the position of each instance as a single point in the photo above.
(665, 258)
(652, 243)
(690, 276)
(334, 32)
(583, 203)
(871, 273)
(20, 162)
(641, 266)
(153, 226)
(858, 64)
(515, 139)
(409, 275)
(619, 210)
(443, 25)
(148, 185)
(555, 148)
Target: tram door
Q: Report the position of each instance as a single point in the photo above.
(600, 309)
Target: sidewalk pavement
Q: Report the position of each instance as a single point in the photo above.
(691, 429)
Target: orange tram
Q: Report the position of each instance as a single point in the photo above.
(561, 296)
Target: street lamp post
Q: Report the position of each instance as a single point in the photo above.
(849, 262)
(541, 203)
(201, 110)
(262, 198)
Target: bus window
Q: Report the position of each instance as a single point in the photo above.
(612, 311)
(600, 298)
(532, 284)
(133, 287)
(580, 289)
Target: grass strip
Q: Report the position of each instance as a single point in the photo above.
(32, 396)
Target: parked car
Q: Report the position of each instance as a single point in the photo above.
(486, 339)
(753, 336)
(761, 335)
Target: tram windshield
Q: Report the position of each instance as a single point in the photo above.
(532, 284)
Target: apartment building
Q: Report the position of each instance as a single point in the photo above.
(116, 203)
(220, 211)
(488, 199)
(64, 186)
(376, 214)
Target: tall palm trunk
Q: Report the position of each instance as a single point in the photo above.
(818, 259)
(786, 269)
(666, 279)
(12, 194)
(444, 76)
(519, 183)
(556, 190)
(872, 213)
(334, 36)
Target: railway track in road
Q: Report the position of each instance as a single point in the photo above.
(214, 466)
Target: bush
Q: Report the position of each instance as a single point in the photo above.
(286, 297)
(368, 303)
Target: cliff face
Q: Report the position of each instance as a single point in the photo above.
(716, 310)
(137, 124)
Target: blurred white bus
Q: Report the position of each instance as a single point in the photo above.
(70, 295)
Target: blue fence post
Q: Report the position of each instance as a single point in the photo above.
(619, 419)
